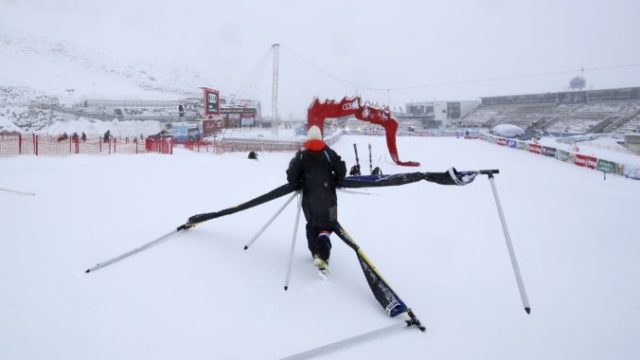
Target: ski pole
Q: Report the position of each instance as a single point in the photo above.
(17, 192)
(512, 255)
(370, 162)
(293, 244)
(355, 149)
(348, 341)
(270, 221)
(136, 250)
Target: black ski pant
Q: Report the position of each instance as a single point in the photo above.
(319, 245)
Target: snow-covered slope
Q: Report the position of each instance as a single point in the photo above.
(71, 72)
(198, 295)
(43, 76)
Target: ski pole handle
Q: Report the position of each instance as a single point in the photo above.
(489, 172)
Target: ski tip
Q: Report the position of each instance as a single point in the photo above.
(87, 271)
(285, 288)
(528, 310)
(246, 247)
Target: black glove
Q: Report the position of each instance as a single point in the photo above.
(451, 177)
(201, 217)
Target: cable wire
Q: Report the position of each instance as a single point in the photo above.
(448, 83)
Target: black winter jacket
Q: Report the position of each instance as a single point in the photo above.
(317, 173)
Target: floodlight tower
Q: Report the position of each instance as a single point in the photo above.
(274, 91)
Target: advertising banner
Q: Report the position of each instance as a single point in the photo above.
(586, 161)
(501, 141)
(535, 148)
(211, 101)
(606, 166)
(511, 143)
(549, 151)
(521, 145)
(563, 156)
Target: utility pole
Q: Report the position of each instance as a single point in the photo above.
(275, 122)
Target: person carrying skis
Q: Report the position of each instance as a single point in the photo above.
(316, 170)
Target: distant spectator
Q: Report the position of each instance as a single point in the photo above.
(253, 155)
(107, 136)
(75, 137)
(83, 137)
(63, 137)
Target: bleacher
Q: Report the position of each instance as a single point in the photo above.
(575, 112)
(631, 124)
(521, 115)
(580, 119)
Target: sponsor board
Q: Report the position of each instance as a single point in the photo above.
(564, 156)
(606, 166)
(501, 141)
(535, 148)
(549, 151)
(586, 161)
(211, 101)
(521, 145)
(511, 143)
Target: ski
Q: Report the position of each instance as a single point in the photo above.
(336, 345)
(322, 275)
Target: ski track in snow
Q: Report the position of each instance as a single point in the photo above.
(198, 295)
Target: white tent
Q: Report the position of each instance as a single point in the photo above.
(508, 130)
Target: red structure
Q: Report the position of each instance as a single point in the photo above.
(319, 111)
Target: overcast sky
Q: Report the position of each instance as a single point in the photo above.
(418, 50)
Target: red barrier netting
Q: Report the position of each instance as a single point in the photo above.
(162, 146)
(13, 144)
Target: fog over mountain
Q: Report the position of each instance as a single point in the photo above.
(388, 53)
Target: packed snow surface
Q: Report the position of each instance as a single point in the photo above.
(198, 295)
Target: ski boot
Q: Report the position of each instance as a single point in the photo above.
(321, 264)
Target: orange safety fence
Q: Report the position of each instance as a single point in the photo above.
(14, 144)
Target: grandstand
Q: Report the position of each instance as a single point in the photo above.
(570, 112)
(160, 110)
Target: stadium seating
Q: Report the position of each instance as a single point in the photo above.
(612, 116)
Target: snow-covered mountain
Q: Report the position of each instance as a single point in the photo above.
(69, 71)
(42, 78)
